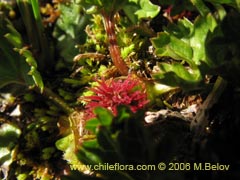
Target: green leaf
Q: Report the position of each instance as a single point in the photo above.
(28, 55)
(8, 134)
(71, 20)
(104, 116)
(200, 5)
(202, 26)
(13, 68)
(127, 50)
(138, 9)
(169, 45)
(70, 29)
(176, 73)
(90, 144)
(8, 70)
(193, 34)
(185, 41)
(123, 114)
(14, 37)
(92, 125)
(64, 143)
(36, 10)
(37, 78)
(146, 9)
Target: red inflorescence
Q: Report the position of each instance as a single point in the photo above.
(111, 93)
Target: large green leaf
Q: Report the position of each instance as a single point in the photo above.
(186, 41)
(17, 64)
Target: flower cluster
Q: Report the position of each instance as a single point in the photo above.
(111, 93)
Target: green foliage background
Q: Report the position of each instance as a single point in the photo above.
(41, 78)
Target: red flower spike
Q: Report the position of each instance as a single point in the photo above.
(111, 93)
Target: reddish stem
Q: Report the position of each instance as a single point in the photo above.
(113, 45)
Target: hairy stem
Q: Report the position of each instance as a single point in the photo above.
(113, 46)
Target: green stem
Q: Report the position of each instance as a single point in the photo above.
(29, 10)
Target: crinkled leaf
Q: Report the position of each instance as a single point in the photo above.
(70, 20)
(137, 10)
(70, 29)
(202, 26)
(185, 41)
(147, 9)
